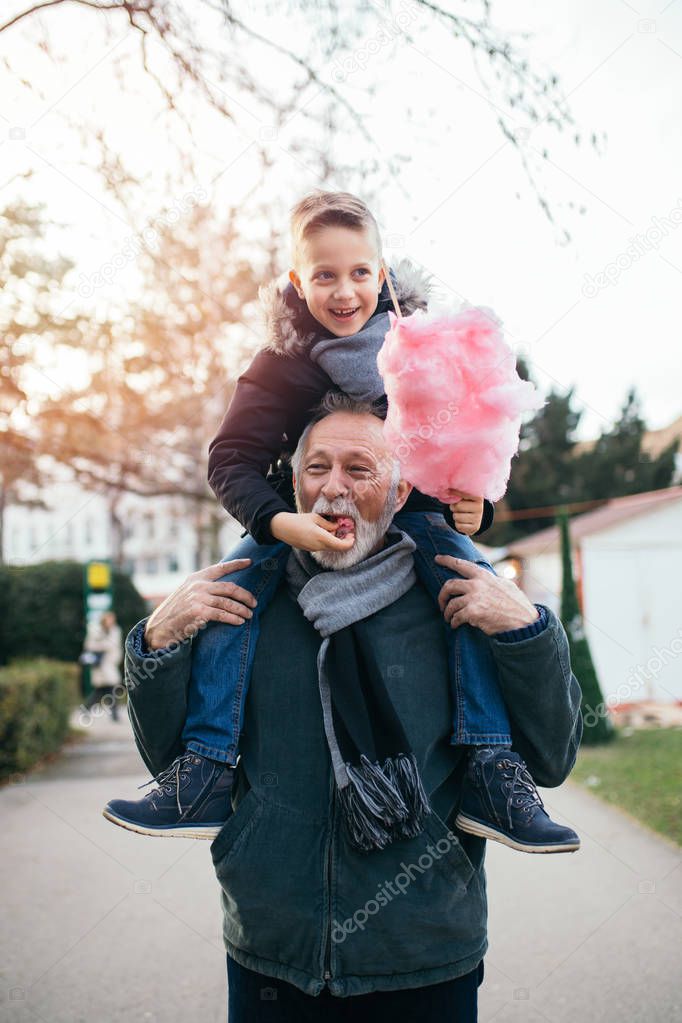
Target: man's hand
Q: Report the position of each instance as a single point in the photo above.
(467, 512)
(308, 531)
(483, 599)
(200, 599)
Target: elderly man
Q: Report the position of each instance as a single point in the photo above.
(333, 885)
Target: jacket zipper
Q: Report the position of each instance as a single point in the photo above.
(330, 863)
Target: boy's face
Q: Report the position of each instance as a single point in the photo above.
(340, 278)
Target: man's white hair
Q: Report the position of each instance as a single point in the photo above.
(368, 534)
(337, 401)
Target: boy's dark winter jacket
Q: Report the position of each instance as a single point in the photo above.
(273, 402)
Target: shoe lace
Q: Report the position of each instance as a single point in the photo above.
(521, 788)
(169, 776)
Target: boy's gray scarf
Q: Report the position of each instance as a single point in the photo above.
(351, 362)
(376, 773)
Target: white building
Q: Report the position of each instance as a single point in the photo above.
(627, 561)
(160, 540)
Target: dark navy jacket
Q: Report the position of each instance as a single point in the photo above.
(298, 902)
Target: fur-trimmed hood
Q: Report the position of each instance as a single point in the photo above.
(290, 327)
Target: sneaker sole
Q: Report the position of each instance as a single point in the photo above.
(474, 827)
(188, 832)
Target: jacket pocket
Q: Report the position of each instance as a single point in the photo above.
(447, 852)
(236, 829)
(269, 863)
(418, 904)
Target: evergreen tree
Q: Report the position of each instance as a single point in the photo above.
(597, 726)
(543, 473)
(617, 466)
(548, 471)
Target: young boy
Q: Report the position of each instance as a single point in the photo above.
(325, 329)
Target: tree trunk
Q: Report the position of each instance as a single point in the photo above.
(215, 552)
(116, 527)
(2, 523)
(597, 724)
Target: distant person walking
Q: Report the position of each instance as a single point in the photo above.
(104, 639)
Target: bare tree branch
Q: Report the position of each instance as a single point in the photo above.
(114, 5)
(515, 88)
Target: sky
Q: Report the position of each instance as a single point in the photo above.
(600, 313)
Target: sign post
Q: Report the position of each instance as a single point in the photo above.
(98, 597)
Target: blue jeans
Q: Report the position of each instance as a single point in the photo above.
(254, 998)
(222, 655)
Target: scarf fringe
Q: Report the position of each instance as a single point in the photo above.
(380, 804)
(406, 778)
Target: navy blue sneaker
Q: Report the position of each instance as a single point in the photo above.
(192, 801)
(500, 801)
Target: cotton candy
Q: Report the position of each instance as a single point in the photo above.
(455, 401)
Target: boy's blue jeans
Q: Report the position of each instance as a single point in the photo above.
(222, 655)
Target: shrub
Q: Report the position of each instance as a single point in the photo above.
(42, 611)
(36, 697)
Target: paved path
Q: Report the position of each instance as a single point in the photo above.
(590, 937)
(102, 926)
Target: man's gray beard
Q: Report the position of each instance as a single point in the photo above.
(368, 535)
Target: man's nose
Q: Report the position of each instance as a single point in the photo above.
(336, 484)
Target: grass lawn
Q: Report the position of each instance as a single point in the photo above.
(640, 772)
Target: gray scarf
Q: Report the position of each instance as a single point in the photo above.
(376, 774)
(351, 362)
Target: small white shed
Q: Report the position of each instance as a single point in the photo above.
(627, 561)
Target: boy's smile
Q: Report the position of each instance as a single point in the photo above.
(340, 277)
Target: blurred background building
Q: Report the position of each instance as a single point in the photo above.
(158, 541)
(627, 561)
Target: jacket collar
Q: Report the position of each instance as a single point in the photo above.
(290, 327)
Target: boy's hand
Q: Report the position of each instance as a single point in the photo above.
(467, 511)
(308, 532)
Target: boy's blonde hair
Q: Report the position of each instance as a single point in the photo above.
(324, 209)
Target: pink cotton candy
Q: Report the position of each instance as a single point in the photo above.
(455, 401)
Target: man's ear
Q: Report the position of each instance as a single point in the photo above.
(404, 491)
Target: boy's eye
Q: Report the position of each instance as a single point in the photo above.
(327, 273)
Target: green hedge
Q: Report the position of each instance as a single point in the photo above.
(41, 609)
(36, 698)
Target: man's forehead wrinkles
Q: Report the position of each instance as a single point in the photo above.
(338, 447)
